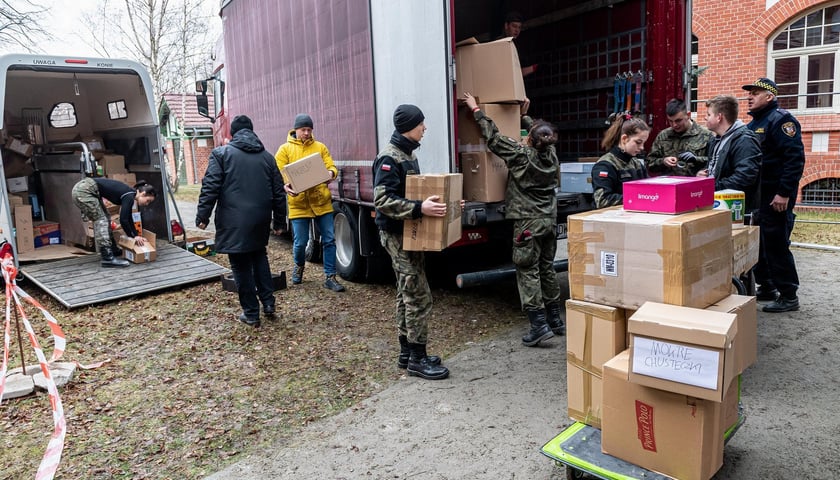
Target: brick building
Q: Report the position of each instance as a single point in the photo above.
(181, 125)
(797, 44)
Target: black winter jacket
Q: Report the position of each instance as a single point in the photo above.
(737, 163)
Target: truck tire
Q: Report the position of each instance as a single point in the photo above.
(314, 252)
(349, 262)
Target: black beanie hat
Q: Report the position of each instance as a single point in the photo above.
(240, 122)
(406, 117)
(303, 120)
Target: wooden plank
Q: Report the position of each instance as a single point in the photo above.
(83, 281)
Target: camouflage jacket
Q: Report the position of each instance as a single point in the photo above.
(532, 175)
(670, 144)
(609, 174)
(390, 168)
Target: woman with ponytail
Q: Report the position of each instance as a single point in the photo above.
(624, 140)
(531, 202)
(88, 195)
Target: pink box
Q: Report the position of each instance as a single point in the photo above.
(669, 194)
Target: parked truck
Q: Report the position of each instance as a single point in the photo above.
(350, 63)
(64, 119)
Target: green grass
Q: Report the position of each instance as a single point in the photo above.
(188, 193)
(817, 233)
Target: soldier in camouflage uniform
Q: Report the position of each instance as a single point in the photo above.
(624, 139)
(531, 203)
(414, 299)
(680, 149)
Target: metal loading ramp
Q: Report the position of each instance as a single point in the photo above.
(81, 281)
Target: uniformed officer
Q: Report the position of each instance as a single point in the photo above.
(531, 203)
(624, 140)
(414, 298)
(681, 148)
(783, 160)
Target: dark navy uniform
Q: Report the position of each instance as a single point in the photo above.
(782, 164)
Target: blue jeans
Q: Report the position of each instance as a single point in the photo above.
(300, 228)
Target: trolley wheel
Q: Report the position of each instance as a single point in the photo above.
(573, 473)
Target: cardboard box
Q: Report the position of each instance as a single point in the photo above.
(505, 115)
(746, 319)
(745, 242)
(24, 240)
(19, 146)
(434, 233)
(485, 177)
(669, 194)
(16, 165)
(683, 350)
(129, 179)
(576, 177)
(673, 434)
(734, 201)
(594, 334)
(306, 173)
(93, 142)
(112, 164)
(45, 227)
(489, 71)
(625, 259)
(135, 253)
(52, 238)
(17, 184)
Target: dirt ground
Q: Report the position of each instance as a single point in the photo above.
(504, 401)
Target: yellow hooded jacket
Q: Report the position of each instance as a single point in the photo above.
(317, 200)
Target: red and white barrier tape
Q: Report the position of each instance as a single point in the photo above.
(52, 456)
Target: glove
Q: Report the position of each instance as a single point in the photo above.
(687, 157)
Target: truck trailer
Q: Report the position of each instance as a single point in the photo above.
(350, 63)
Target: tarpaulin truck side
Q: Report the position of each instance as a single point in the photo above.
(58, 114)
(349, 64)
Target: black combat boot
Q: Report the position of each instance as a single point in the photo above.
(405, 352)
(554, 319)
(108, 259)
(539, 328)
(420, 366)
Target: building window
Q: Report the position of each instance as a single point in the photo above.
(201, 143)
(695, 47)
(805, 61)
(819, 142)
(824, 192)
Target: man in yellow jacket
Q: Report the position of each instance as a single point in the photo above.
(313, 204)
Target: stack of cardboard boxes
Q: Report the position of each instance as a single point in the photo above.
(491, 73)
(656, 341)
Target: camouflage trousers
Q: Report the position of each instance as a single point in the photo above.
(534, 260)
(414, 298)
(86, 196)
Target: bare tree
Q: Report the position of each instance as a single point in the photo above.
(20, 24)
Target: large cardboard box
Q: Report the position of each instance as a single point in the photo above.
(434, 233)
(16, 165)
(129, 179)
(506, 116)
(25, 242)
(683, 350)
(19, 146)
(673, 434)
(625, 259)
(135, 253)
(17, 184)
(576, 177)
(669, 194)
(489, 71)
(46, 233)
(306, 173)
(745, 243)
(112, 164)
(594, 334)
(485, 177)
(746, 318)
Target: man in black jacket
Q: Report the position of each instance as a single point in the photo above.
(734, 152)
(243, 180)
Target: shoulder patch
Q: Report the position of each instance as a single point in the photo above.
(385, 167)
(759, 130)
(603, 174)
(789, 128)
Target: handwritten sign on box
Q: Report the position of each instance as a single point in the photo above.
(687, 364)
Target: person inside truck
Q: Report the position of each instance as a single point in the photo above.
(531, 203)
(88, 195)
(624, 140)
(681, 148)
(512, 28)
(414, 298)
(314, 204)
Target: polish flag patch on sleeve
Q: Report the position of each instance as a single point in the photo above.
(603, 174)
(385, 167)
